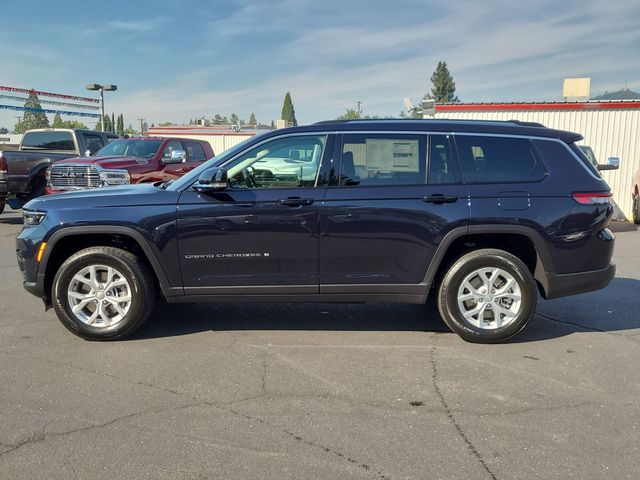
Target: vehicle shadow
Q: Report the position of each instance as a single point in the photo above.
(5, 220)
(612, 309)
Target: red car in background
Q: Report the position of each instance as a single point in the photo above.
(129, 160)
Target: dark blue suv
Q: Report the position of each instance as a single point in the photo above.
(483, 214)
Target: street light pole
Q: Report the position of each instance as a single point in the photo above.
(102, 89)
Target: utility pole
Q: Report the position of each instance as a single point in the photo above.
(359, 109)
(141, 120)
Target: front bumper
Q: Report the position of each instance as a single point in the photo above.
(562, 285)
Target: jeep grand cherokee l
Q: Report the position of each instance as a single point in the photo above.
(483, 214)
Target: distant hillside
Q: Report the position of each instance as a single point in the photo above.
(623, 94)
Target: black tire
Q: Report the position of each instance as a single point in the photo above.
(2, 205)
(466, 265)
(136, 272)
(636, 209)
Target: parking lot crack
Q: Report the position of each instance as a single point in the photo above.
(39, 437)
(583, 327)
(452, 419)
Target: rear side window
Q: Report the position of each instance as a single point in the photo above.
(486, 159)
(62, 141)
(442, 168)
(371, 159)
(580, 153)
(195, 152)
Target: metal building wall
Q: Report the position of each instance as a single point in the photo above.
(610, 133)
(219, 143)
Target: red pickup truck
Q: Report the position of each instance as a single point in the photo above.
(129, 160)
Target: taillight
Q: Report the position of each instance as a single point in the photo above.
(592, 198)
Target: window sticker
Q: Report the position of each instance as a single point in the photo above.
(392, 155)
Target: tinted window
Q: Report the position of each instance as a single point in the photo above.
(49, 141)
(383, 160)
(585, 159)
(441, 162)
(195, 152)
(498, 159)
(94, 143)
(277, 164)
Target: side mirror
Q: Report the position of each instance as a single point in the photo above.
(212, 180)
(613, 163)
(177, 156)
(87, 153)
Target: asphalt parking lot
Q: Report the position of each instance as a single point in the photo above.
(323, 391)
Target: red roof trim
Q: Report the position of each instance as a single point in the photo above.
(515, 107)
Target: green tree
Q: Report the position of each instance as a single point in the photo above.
(350, 114)
(4, 130)
(120, 127)
(113, 124)
(444, 88)
(57, 121)
(165, 124)
(99, 125)
(252, 119)
(235, 120)
(130, 130)
(288, 112)
(32, 119)
(107, 123)
(219, 120)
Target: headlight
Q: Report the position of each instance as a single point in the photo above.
(32, 218)
(114, 177)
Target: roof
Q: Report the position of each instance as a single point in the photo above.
(548, 106)
(511, 127)
(191, 130)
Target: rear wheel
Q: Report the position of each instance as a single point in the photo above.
(103, 293)
(487, 296)
(636, 209)
(2, 204)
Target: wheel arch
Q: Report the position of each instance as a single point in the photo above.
(522, 241)
(69, 240)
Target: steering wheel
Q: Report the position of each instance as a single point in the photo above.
(249, 177)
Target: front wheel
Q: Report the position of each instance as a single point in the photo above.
(103, 293)
(487, 296)
(636, 209)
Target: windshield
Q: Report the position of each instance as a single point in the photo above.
(130, 148)
(219, 159)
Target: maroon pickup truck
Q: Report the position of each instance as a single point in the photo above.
(129, 160)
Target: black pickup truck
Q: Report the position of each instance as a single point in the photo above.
(22, 172)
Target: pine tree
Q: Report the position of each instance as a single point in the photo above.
(235, 120)
(120, 125)
(252, 119)
(107, 123)
(99, 125)
(57, 121)
(113, 124)
(32, 119)
(288, 112)
(444, 88)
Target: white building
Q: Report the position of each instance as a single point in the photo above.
(611, 128)
(220, 138)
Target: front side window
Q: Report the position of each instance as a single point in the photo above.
(377, 159)
(487, 159)
(61, 141)
(282, 163)
(171, 147)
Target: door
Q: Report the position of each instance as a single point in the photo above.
(261, 234)
(397, 196)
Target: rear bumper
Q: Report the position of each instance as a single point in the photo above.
(562, 285)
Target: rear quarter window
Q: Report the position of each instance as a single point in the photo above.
(487, 159)
(62, 141)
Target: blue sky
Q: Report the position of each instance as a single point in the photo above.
(178, 59)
